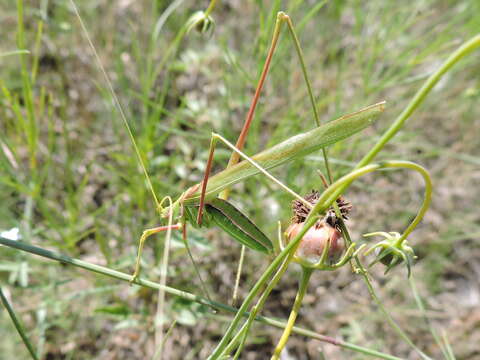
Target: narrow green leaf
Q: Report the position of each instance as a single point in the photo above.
(119, 310)
(14, 52)
(238, 225)
(18, 325)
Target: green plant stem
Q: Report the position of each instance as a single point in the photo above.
(371, 290)
(309, 222)
(36, 51)
(419, 97)
(324, 202)
(298, 48)
(331, 194)
(389, 318)
(17, 325)
(360, 269)
(14, 52)
(302, 290)
(243, 332)
(239, 273)
(159, 318)
(465, 49)
(421, 307)
(31, 130)
(183, 294)
(210, 8)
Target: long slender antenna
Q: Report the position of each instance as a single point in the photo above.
(116, 101)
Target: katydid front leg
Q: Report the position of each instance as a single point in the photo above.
(146, 234)
(182, 225)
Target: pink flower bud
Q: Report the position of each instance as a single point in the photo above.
(315, 240)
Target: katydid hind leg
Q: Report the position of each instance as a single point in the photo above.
(251, 111)
(208, 169)
(281, 18)
(203, 285)
(234, 159)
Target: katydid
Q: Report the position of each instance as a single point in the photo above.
(202, 200)
(224, 214)
(203, 197)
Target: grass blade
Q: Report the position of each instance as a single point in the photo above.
(17, 324)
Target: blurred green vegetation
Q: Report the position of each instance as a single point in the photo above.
(70, 180)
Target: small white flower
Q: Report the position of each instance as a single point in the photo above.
(12, 234)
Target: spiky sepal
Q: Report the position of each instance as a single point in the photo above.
(301, 211)
(392, 251)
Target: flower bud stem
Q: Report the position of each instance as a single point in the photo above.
(210, 8)
(242, 334)
(302, 289)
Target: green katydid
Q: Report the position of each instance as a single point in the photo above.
(218, 211)
(203, 198)
(224, 214)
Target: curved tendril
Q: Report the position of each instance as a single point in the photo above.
(377, 233)
(329, 195)
(348, 255)
(325, 251)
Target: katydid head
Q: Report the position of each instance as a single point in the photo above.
(179, 203)
(173, 208)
